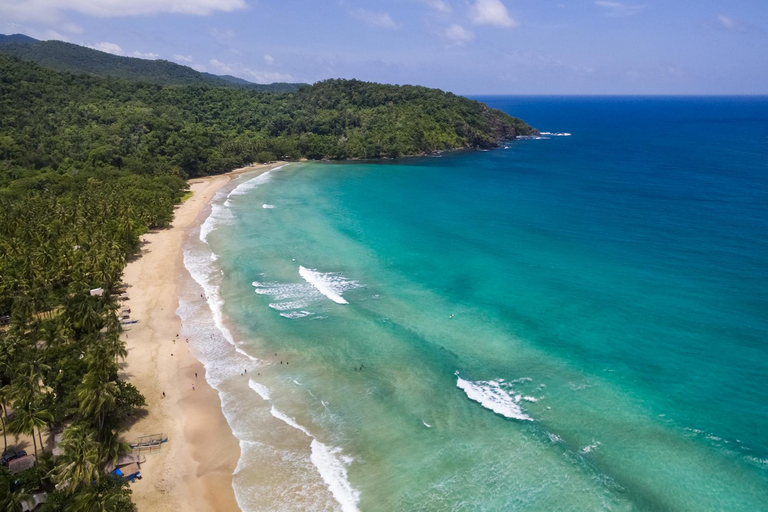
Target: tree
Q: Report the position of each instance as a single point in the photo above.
(11, 495)
(4, 415)
(97, 395)
(78, 465)
(26, 419)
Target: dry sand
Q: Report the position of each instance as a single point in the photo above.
(193, 471)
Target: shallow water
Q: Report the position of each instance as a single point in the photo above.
(566, 323)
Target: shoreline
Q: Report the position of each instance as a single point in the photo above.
(194, 469)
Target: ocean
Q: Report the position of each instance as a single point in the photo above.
(571, 322)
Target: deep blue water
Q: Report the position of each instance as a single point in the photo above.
(566, 323)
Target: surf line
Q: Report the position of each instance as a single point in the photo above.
(330, 463)
(316, 280)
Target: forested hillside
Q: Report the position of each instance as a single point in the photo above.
(61, 56)
(54, 123)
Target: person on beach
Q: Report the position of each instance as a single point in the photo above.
(163, 394)
(195, 374)
(193, 387)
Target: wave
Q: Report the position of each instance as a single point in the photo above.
(267, 206)
(293, 299)
(333, 470)
(330, 284)
(262, 178)
(220, 214)
(260, 389)
(295, 314)
(556, 134)
(590, 447)
(492, 396)
(330, 463)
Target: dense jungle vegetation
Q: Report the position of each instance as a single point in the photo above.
(87, 165)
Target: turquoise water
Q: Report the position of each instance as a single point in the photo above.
(568, 323)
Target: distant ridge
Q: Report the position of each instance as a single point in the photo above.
(72, 58)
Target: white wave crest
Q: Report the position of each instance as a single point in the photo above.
(492, 396)
(244, 187)
(295, 314)
(590, 447)
(292, 298)
(330, 284)
(333, 470)
(331, 464)
(556, 134)
(267, 206)
(261, 389)
(220, 214)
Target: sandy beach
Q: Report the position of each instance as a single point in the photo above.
(193, 470)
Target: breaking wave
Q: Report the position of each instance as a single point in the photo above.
(330, 463)
(491, 395)
(292, 299)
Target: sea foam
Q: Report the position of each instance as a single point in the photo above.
(327, 284)
(492, 396)
(292, 299)
(260, 389)
(330, 463)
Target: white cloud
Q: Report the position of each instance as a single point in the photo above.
(438, 5)
(48, 10)
(149, 55)
(112, 48)
(224, 68)
(374, 19)
(269, 59)
(268, 77)
(491, 12)
(620, 8)
(115, 49)
(458, 35)
(729, 23)
(247, 73)
(183, 58)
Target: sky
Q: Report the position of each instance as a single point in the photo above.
(464, 46)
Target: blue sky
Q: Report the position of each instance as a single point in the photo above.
(465, 46)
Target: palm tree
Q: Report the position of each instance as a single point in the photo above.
(111, 446)
(4, 415)
(26, 419)
(79, 462)
(97, 395)
(94, 500)
(84, 311)
(11, 499)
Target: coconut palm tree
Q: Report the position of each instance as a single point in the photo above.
(78, 465)
(26, 419)
(111, 446)
(95, 500)
(97, 395)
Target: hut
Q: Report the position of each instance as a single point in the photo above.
(22, 463)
